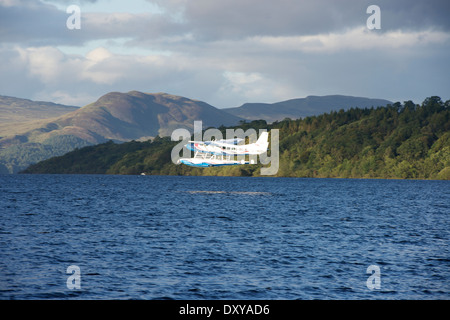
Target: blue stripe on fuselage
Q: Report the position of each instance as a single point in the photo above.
(206, 164)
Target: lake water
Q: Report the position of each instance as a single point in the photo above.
(158, 237)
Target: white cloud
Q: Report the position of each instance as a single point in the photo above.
(243, 85)
(44, 63)
(98, 55)
(70, 98)
(251, 87)
(66, 77)
(17, 3)
(9, 3)
(357, 39)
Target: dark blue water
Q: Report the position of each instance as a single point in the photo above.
(156, 237)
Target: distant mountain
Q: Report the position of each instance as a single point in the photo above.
(133, 115)
(303, 107)
(115, 116)
(16, 113)
(19, 110)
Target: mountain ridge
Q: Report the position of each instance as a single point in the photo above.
(303, 107)
(14, 109)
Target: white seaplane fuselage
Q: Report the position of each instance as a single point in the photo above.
(223, 152)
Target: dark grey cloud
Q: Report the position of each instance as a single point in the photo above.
(37, 23)
(41, 24)
(415, 15)
(76, 2)
(212, 20)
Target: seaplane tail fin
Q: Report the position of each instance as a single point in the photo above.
(263, 138)
(263, 142)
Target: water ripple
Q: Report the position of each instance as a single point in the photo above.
(222, 238)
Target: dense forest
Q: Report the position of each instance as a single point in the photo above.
(402, 140)
(18, 156)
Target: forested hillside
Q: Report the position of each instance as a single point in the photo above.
(405, 141)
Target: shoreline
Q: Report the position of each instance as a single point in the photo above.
(229, 176)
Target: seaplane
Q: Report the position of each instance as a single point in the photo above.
(224, 152)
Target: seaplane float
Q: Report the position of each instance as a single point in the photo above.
(224, 152)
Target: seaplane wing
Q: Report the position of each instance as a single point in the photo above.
(219, 142)
(229, 141)
(222, 152)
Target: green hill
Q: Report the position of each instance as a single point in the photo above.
(405, 141)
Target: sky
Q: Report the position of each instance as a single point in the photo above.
(225, 52)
